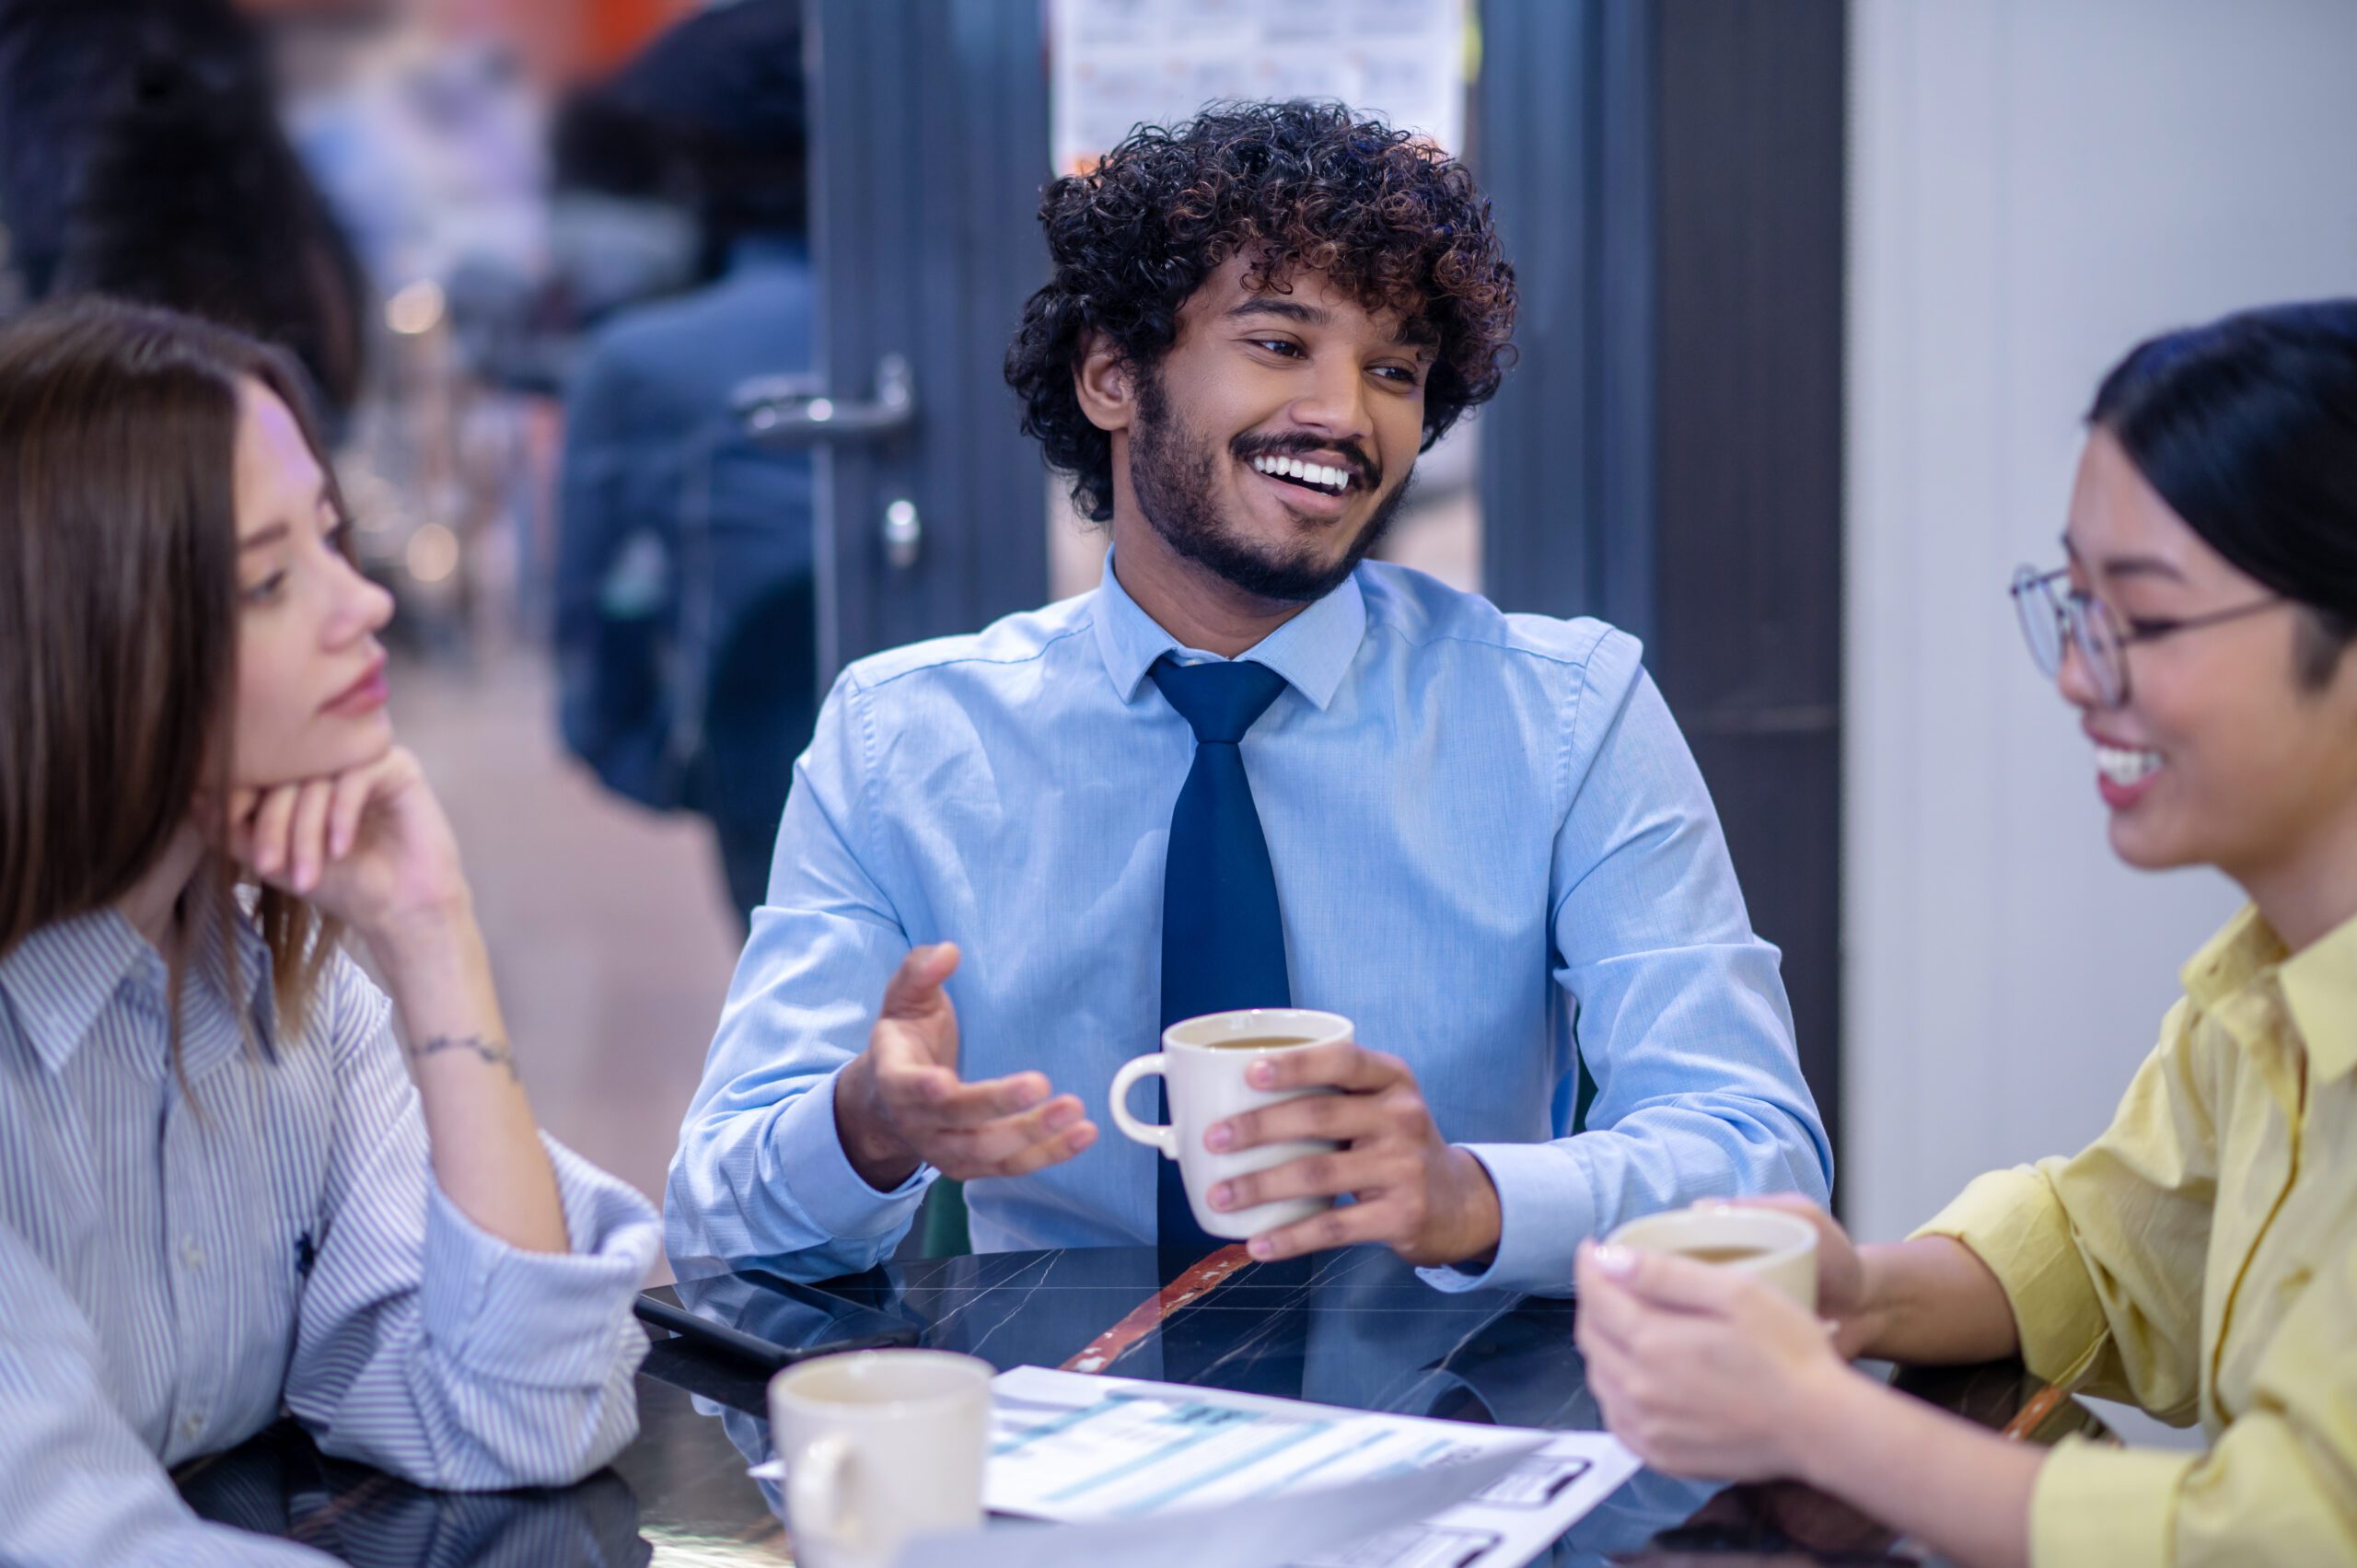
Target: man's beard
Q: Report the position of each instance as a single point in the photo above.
(1173, 474)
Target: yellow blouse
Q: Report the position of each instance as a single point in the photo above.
(2200, 1259)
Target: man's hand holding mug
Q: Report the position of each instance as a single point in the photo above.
(1277, 1112)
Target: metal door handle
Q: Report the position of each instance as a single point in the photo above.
(903, 534)
(791, 411)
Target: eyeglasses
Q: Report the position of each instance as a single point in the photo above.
(2050, 618)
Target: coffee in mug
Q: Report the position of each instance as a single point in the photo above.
(1778, 1247)
(1203, 1063)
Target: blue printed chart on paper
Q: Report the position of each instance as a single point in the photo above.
(1076, 1448)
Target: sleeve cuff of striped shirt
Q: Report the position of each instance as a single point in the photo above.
(2013, 1222)
(543, 1318)
(2115, 1506)
(822, 1184)
(1544, 1210)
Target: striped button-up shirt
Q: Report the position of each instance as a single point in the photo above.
(184, 1256)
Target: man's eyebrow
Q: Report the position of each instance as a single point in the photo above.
(268, 535)
(1415, 333)
(1285, 310)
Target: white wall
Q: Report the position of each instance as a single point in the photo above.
(2035, 185)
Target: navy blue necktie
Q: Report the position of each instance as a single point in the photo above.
(1222, 944)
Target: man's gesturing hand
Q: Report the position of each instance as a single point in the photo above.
(1427, 1201)
(900, 1103)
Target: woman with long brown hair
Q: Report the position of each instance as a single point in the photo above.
(227, 1189)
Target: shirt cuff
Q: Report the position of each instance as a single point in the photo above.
(542, 1319)
(2115, 1506)
(822, 1182)
(1545, 1210)
(2013, 1222)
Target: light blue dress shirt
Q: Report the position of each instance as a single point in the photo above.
(1485, 827)
(182, 1265)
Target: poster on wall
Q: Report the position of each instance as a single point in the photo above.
(1120, 63)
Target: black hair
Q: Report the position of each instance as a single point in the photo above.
(1390, 219)
(710, 117)
(2247, 428)
(191, 196)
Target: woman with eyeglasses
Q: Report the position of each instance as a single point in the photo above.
(2200, 1258)
(228, 1190)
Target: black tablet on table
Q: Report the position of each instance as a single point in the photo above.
(769, 1321)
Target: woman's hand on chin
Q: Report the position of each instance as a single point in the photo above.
(368, 847)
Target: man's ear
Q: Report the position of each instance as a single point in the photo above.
(1105, 384)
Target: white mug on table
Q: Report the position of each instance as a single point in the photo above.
(878, 1447)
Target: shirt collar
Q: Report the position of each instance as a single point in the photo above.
(1313, 651)
(2318, 984)
(60, 977)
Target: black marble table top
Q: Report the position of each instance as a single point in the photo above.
(1355, 1328)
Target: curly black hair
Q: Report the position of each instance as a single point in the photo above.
(1394, 221)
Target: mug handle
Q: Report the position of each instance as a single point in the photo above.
(1157, 1135)
(814, 1487)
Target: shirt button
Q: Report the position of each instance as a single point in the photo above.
(191, 1254)
(192, 1426)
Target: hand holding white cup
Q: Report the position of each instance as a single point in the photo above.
(1203, 1061)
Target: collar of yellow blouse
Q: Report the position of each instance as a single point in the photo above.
(2319, 984)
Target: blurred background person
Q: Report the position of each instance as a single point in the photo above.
(685, 617)
(141, 156)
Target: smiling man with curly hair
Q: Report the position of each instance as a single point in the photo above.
(1251, 768)
(1288, 218)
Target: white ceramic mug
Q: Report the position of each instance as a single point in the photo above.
(1205, 1078)
(1780, 1248)
(879, 1447)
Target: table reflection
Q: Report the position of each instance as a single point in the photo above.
(1356, 1328)
(280, 1485)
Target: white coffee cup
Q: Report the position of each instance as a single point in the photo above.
(878, 1447)
(1779, 1248)
(1204, 1068)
